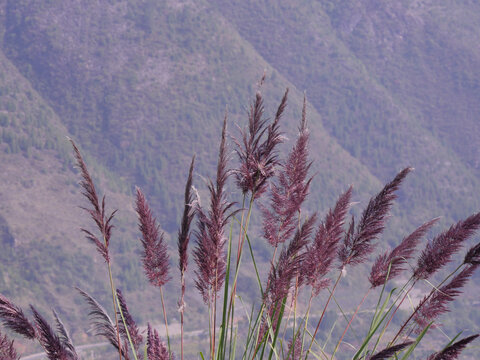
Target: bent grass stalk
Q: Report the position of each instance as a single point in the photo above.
(242, 236)
(428, 297)
(126, 329)
(166, 322)
(221, 343)
(350, 322)
(323, 314)
(112, 287)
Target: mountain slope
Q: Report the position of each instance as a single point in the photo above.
(143, 85)
(136, 94)
(347, 57)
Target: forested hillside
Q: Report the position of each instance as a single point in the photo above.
(143, 85)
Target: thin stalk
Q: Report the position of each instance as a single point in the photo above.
(378, 321)
(252, 334)
(344, 314)
(329, 336)
(295, 307)
(381, 296)
(210, 323)
(214, 312)
(230, 344)
(232, 301)
(398, 306)
(294, 300)
(255, 265)
(428, 297)
(240, 234)
(390, 309)
(166, 322)
(290, 310)
(221, 342)
(307, 314)
(374, 318)
(410, 331)
(181, 312)
(277, 329)
(243, 233)
(350, 322)
(323, 313)
(181, 334)
(268, 333)
(126, 329)
(115, 310)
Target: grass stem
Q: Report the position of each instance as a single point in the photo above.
(323, 313)
(166, 322)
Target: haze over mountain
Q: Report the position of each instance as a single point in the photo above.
(142, 85)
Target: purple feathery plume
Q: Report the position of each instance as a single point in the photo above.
(358, 245)
(97, 212)
(187, 218)
(436, 303)
(388, 352)
(13, 318)
(156, 349)
(155, 257)
(290, 192)
(473, 255)
(295, 349)
(257, 151)
(189, 212)
(397, 257)
(7, 350)
(132, 327)
(321, 254)
(289, 264)
(453, 351)
(53, 346)
(102, 323)
(439, 251)
(64, 336)
(281, 276)
(209, 254)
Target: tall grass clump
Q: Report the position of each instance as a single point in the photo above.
(310, 256)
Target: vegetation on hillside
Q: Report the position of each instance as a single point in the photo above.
(142, 84)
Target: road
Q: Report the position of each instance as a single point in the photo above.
(79, 348)
(173, 329)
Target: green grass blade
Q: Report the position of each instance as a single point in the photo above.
(417, 340)
(277, 330)
(221, 343)
(254, 265)
(330, 334)
(376, 325)
(253, 332)
(234, 344)
(453, 340)
(126, 328)
(344, 315)
(316, 343)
